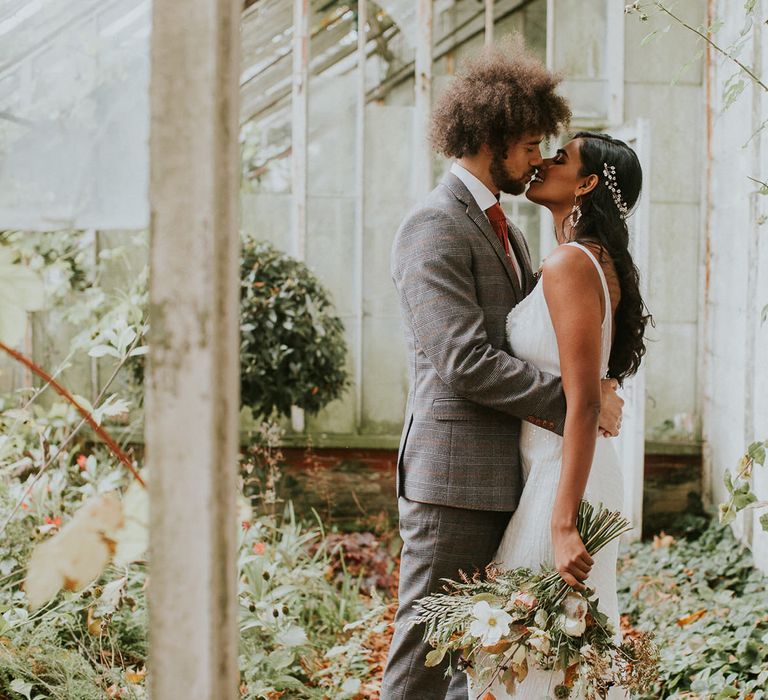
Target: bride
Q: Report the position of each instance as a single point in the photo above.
(584, 320)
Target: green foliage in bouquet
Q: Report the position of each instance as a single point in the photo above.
(707, 606)
(503, 624)
(292, 348)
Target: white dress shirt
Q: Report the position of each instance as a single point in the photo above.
(485, 200)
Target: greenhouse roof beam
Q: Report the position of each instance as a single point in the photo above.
(272, 92)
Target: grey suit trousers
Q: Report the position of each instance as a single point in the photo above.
(437, 542)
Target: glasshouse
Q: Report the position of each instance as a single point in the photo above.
(383, 349)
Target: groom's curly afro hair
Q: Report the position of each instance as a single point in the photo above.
(496, 98)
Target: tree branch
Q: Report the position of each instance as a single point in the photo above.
(103, 434)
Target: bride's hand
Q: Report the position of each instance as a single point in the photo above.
(572, 560)
(610, 408)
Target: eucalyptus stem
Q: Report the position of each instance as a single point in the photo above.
(749, 72)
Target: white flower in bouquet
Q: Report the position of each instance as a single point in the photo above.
(527, 600)
(489, 624)
(541, 618)
(540, 622)
(574, 618)
(539, 641)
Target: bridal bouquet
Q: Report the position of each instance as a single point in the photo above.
(499, 626)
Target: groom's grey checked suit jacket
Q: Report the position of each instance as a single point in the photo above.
(459, 445)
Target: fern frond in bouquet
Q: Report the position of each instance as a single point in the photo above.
(497, 625)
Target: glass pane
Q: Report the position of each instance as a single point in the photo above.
(74, 83)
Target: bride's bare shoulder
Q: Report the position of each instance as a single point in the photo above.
(567, 260)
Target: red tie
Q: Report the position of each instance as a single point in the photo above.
(496, 216)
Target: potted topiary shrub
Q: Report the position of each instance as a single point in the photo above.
(292, 351)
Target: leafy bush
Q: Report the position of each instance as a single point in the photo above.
(303, 630)
(708, 607)
(292, 348)
(308, 628)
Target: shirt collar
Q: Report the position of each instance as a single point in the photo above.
(481, 194)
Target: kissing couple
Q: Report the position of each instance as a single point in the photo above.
(512, 375)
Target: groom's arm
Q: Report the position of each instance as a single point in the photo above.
(432, 269)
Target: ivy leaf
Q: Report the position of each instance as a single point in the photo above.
(715, 27)
(110, 598)
(22, 688)
(756, 451)
(655, 34)
(764, 522)
(732, 92)
(728, 481)
(742, 500)
(21, 291)
(749, 5)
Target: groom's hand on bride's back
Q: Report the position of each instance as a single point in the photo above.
(610, 408)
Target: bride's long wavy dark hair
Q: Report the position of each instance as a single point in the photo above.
(602, 223)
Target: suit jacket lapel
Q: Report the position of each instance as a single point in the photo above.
(479, 218)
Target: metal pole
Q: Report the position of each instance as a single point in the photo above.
(423, 99)
(362, 20)
(550, 47)
(614, 61)
(488, 22)
(299, 121)
(192, 402)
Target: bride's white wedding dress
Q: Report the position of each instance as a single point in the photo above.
(527, 540)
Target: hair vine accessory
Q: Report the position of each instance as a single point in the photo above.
(609, 171)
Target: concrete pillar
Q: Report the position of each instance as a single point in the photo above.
(192, 381)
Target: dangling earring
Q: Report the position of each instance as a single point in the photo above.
(575, 214)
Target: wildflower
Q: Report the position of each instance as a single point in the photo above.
(573, 621)
(293, 636)
(539, 640)
(351, 686)
(259, 548)
(56, 522)
(489, 624)
(82, 461)
(527, 600)
(246, 525)
(272, 615)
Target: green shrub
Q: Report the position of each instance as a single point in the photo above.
(292, 349)
(708, 607)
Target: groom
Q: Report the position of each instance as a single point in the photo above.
(459, 267)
